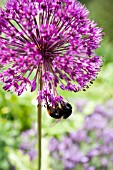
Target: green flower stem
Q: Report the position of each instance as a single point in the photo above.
(39, 136)
(39, 126)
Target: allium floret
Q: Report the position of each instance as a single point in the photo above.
(53, 39)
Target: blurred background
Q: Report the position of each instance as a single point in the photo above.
(84, 141)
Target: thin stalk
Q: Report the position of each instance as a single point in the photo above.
(39, 136)
(39, 126)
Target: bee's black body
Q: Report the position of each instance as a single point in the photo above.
(57, 112)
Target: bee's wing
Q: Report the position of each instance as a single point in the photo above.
(57, 121)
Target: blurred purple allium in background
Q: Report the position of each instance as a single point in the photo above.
(28, 143)
(51, 39)
(91, 146)
(80, 104)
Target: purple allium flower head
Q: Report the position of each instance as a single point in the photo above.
(53, 39)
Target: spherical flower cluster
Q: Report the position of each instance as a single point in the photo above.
(91, 146)
(47, 42)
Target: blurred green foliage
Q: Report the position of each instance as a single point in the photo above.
(102, 12)
(17, 108)
(16, 115)
(2, 2)
(21, 161)
(8, 137)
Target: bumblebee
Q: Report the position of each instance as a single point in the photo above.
(62, 110)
